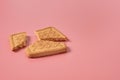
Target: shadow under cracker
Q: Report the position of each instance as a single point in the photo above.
(68, 49)
(28, 40)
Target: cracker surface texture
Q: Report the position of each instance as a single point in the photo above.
(45, 48)
(18, 41)
(50, 33)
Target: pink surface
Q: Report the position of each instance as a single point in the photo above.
(93, 26)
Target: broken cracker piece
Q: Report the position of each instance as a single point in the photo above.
(42, 48)
(18, 41)
(50, 33)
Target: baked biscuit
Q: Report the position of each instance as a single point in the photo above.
(45, 48)
(50, 33)
(18, 41)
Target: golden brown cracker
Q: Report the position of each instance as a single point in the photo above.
(18, 41)
(45, 48)
(50, 33)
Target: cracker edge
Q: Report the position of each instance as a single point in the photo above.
(66, 39)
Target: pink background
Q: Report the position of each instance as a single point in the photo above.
(93, 26)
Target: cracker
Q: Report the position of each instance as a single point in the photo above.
(18, 41)
(45, 48)
(50, 33)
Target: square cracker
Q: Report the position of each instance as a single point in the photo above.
(45, 48)
(18, 41)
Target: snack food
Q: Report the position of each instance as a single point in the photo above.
(18, 41)
(45, 48)
(50, 33)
